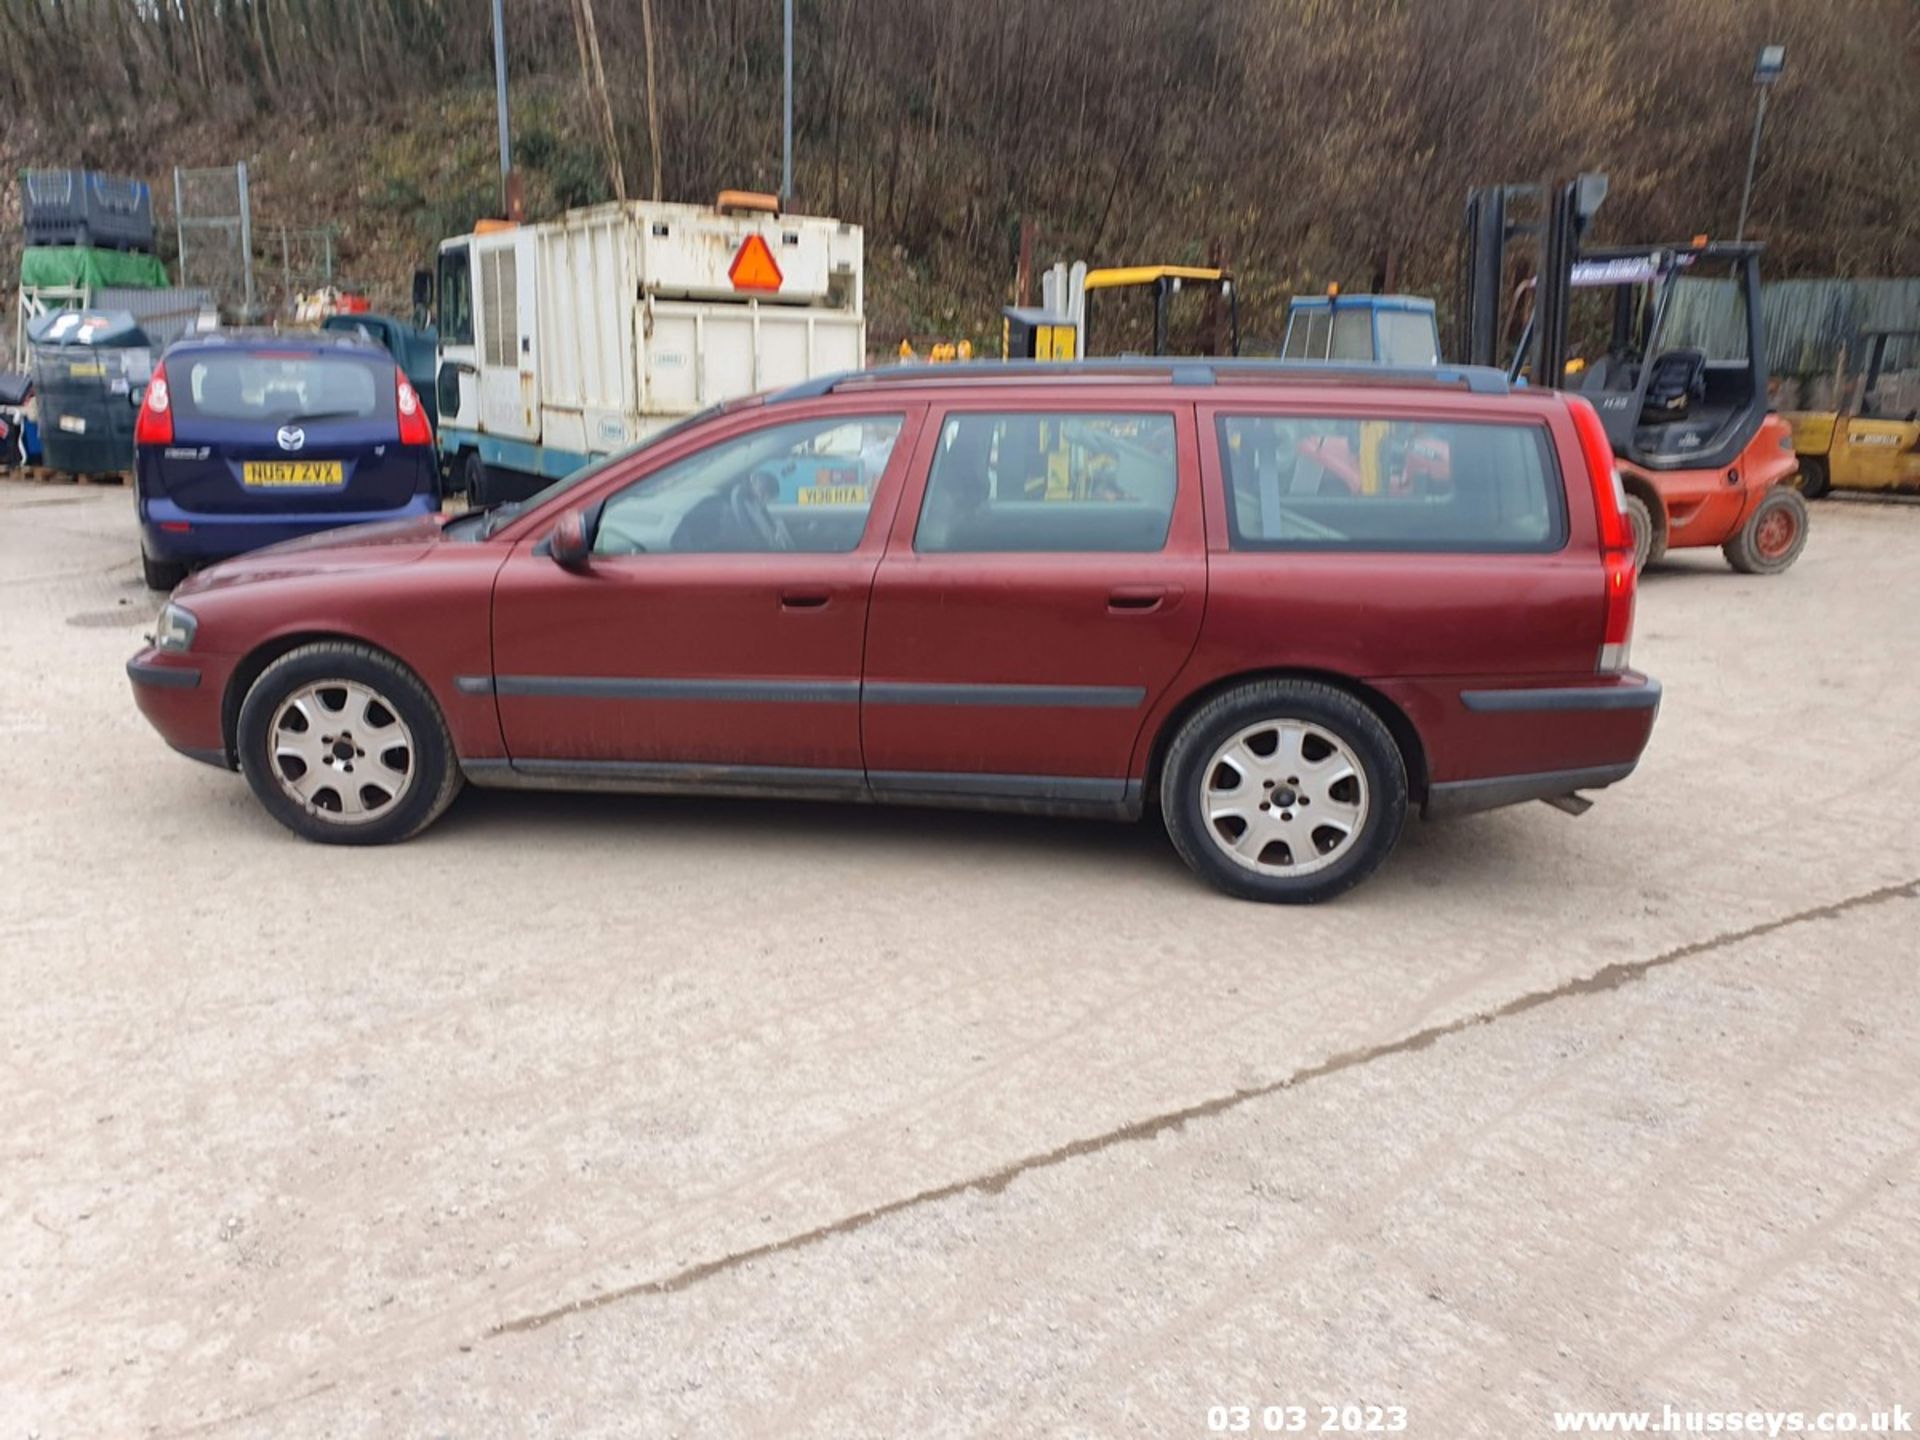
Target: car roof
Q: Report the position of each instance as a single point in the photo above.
(303, 342)
(1198, 372)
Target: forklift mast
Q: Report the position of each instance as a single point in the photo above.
(1493, 227)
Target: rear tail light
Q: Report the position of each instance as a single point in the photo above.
(414, 429)
(1616, 535)
(154, 426)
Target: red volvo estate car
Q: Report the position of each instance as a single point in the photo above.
(1086, 588)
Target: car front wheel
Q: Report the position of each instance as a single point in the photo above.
(344, 745)
(1288, 791)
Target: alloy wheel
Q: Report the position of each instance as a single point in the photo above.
(340, 749)
(1284, 797)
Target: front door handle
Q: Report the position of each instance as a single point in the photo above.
(803, 599)
(1140, 599)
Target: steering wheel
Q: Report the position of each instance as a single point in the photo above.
(747, 508)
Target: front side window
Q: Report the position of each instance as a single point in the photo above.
(455, 320)
(1050, 481)
(804, 487)
(1300, 482)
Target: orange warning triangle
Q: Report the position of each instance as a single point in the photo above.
(754, 267)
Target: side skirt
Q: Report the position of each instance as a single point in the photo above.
(1028, 794)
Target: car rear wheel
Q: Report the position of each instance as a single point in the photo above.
(160, 574)
(1815, 479)
(1773, 536)
(343, 744)
(1288, 791)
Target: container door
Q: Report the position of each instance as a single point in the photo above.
(505, 285)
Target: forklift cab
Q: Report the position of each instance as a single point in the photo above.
(1368, 329)
(1680, 378)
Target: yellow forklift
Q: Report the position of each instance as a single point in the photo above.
(1874, 442)
(1061, 328)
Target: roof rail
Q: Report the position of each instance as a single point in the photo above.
(1179, 370)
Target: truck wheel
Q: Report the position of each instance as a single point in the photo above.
(343, 744)
(1287, 791)
(1640, 520)
(1773, 536)
(1815, 478)
(160, 575)
(473, 472)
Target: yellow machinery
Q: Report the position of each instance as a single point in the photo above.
(1060, 328)
(1874, 442)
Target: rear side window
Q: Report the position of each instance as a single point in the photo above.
(1299, 482)
(276, 389)
(1050, 481)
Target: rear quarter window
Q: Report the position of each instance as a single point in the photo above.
(277, 388)
(1301, 482)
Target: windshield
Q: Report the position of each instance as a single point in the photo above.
(501, 514)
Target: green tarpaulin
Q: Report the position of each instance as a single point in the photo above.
(75, 266)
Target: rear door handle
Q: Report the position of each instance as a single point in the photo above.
(1140, 599)
(803, 599)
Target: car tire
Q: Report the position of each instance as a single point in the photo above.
(1326, 746)
(161, 575)
(332, 788)
(1640, 521)
(1815, 478)
(1774, 535)
(473, 479)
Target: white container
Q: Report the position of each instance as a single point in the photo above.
(563, 342)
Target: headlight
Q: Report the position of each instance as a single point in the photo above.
(174, 629)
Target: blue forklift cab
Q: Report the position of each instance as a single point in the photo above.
(1369, 329)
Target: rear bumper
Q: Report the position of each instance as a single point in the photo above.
(1489, 744)
(181, 696)
(1463, 797)
(221, 535)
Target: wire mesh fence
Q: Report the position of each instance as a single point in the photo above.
(213, 222)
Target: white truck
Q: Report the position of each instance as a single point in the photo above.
(566, 341)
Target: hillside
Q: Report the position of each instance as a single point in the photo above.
(1306, 140)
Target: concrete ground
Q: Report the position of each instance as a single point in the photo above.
(597, 1117)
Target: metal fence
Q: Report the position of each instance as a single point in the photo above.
(213, 221)
(1811, 324)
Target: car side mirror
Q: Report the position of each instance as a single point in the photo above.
(571, 543)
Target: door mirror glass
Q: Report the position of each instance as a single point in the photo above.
(571, 543)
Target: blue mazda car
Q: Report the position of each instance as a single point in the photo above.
(242, 441)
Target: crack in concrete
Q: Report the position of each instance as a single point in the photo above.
(1608, 977)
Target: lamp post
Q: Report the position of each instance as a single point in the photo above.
(1766, 70)
(786, 114)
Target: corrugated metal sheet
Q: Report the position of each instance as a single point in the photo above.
(1808, 322)
(165, 315)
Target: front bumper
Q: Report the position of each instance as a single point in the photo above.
(181, 696)
(220, 536)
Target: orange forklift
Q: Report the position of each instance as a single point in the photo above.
(1702, 461)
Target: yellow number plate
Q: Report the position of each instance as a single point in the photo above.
(833, 495)
(291, 472)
